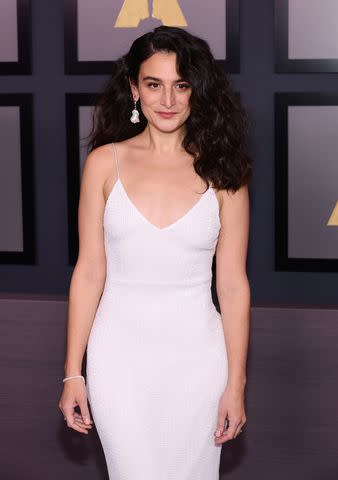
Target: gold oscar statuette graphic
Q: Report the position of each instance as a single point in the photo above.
(333, 220)
(167, 11)
(131, 13)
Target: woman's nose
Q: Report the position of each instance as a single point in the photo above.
(168, 97)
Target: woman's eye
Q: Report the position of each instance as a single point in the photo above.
(184, 85)
(152, 84)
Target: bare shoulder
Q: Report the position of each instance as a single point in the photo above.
(234, 211)
(96, 170)
(100, 158)
(227, 198)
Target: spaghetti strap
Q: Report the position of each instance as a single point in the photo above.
(116, 160)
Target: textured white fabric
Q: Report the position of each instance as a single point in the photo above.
(156, 355)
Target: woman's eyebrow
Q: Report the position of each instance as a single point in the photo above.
(160, 80)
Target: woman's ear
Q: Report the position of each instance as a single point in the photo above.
(134, 90)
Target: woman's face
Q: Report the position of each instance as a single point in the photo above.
(164, 97)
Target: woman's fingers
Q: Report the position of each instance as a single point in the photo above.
(79, 420)
(234, 429)
(83, 404)
(221, 423)
(72, 423)
(240, 427)
(219, 431)
(238, 430)
(72, 420)
(233, 424)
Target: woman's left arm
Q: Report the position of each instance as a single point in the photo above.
(233, 292)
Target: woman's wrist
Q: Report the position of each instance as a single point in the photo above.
(74, 377)
(70, 370)
(238, 385)
(69, 373)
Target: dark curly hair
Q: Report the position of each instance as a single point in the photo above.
(217, 126)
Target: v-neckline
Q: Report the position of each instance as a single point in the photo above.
(171, 225)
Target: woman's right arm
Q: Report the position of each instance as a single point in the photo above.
(86, 284)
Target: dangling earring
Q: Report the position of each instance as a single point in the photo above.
(135, 116)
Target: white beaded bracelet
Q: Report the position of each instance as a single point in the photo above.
(74, 376)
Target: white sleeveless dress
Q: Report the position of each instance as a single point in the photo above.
(156, 354)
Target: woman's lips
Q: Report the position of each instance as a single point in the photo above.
(166, 114)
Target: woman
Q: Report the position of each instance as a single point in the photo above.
(165, 371)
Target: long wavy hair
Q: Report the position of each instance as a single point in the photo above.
(217, 127)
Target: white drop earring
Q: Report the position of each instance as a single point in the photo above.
(135, 115)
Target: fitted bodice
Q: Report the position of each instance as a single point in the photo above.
(178, 254)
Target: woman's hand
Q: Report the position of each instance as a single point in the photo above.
(75, 393)
(231, 409)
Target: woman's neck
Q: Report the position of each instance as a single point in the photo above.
(163, 142)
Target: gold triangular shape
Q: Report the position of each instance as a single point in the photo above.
(131, 13)
(333, 220)
(169, 12)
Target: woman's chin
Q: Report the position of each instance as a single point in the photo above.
(166, 125)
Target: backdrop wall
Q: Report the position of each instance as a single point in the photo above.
(256, 83)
